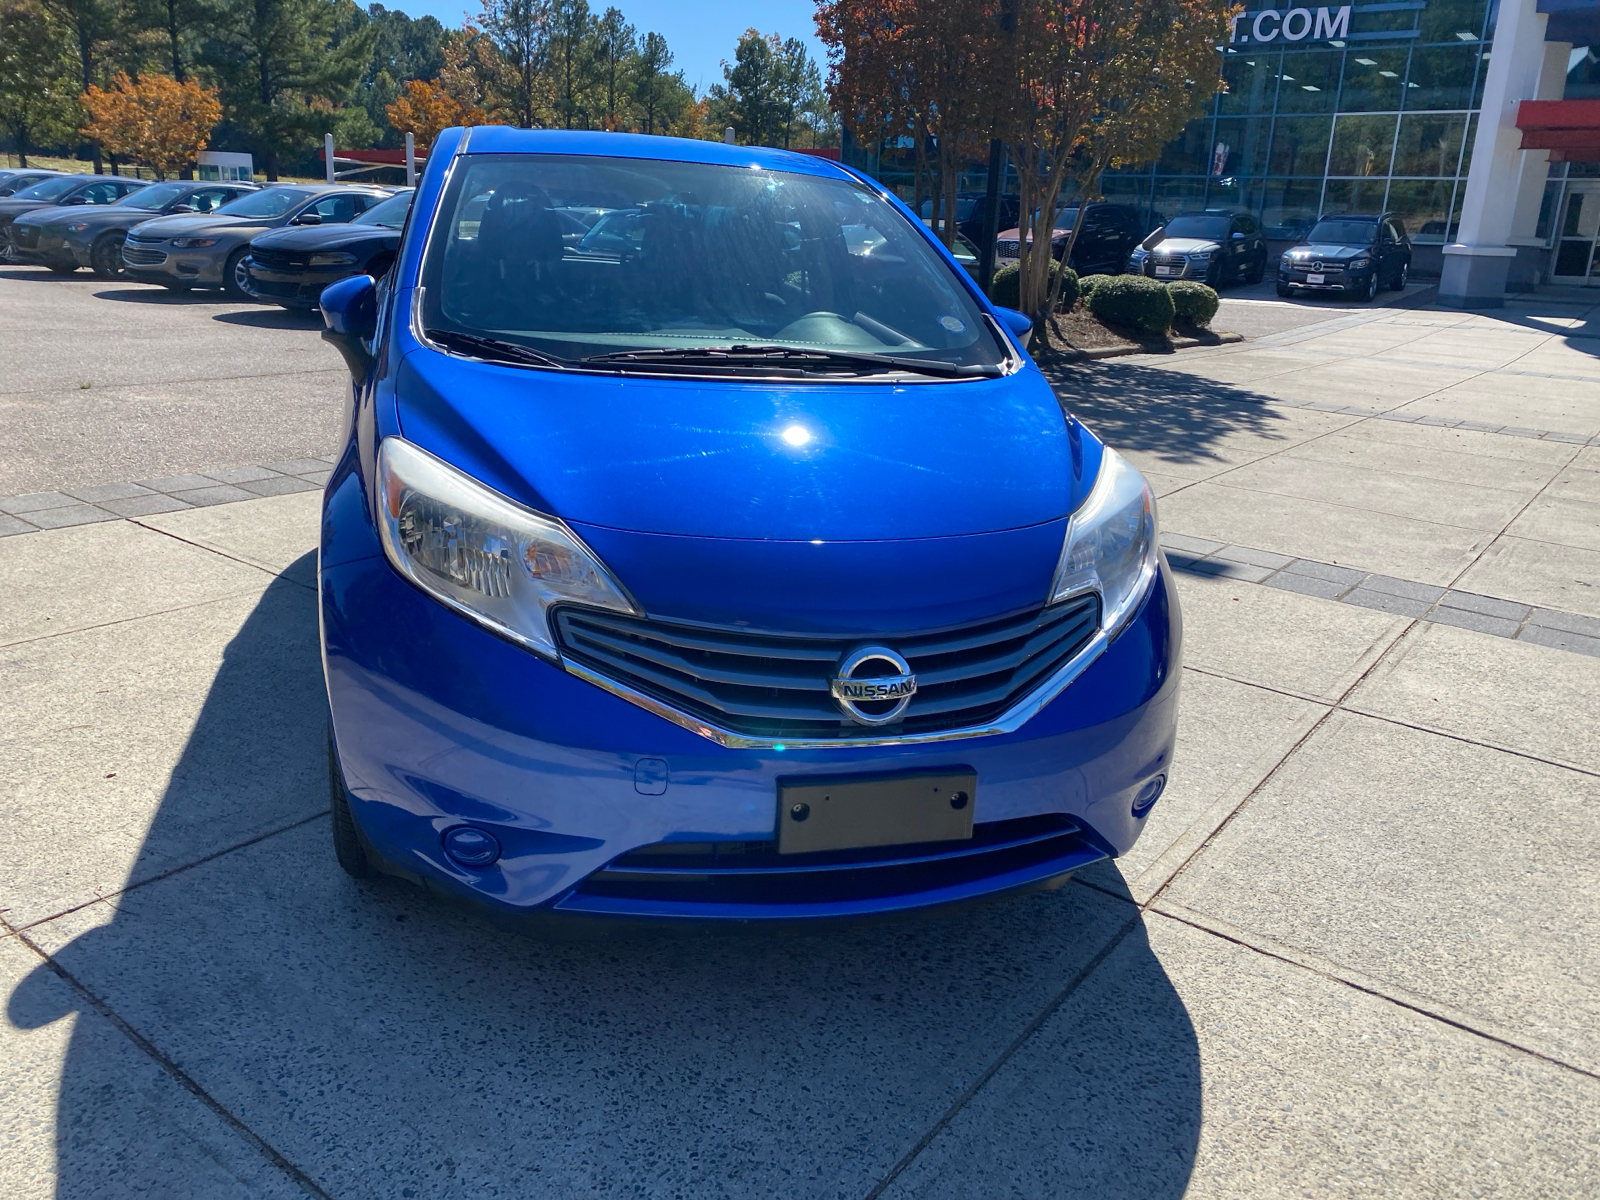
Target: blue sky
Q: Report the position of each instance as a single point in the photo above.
(701, 33)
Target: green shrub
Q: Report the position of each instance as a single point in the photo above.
(1193, 303)
(1133, 300)
(1089, 282)
(1006, 290)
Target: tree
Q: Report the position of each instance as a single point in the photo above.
(801, 102)
(36, 75)
(403, 49)
(520, 30)
(659, 97)
(615, 45)
(283, 70)
(572, 55)
(424, 109)
(157, 121)
(748, 98)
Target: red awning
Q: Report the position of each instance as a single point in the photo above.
(1569, 129)
(388, 158)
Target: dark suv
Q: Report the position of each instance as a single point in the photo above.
(1109, 233)
(1215, 245)
(971, 207)
(1354, 254)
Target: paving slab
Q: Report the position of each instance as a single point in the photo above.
(1278, 639)
(210, 718)
(1463, 441)
(130, 1128)
(1510, 694)
(1310, 1088)
(1544, 406)
(1560, 522)
(383, 1042)
(1393, 545)
(1413, 460)
(1452, 874)
(274, 533)
(69, 579)
(1565, 578)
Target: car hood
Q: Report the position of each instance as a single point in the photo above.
(1331, 250)
(184, 225)
(1185, 246)
(708, 458)
(322, 237)
(1011, 235)
(11, 208)
(93, 214)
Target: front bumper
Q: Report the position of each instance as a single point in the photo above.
(1333, 279)
(293, 288)
(159, 262)
(439, 723)
(49, 249)
(1169, 270)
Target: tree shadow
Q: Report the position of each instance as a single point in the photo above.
(1178, 416)
(390, 1045)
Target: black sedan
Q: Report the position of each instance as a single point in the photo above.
(66, 238)
(1352, 254)
(291, 266)
(63, 191)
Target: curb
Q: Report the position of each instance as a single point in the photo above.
(1178, 343)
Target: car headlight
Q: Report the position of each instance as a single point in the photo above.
(1199, 255)
(1357, 264)
(1111, 544)
(481, 554)
(1139, 254)
(333, 258)
(193, 243)
(80, 227)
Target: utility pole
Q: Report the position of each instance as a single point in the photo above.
(327, 153)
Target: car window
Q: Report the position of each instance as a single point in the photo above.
(392, 212)
(1349, 233)
(50, 189)
(156, 196)
(267, 203)
(210, 199)
(102, 193)
(699, 256)
(1210, 228)
(339, 209)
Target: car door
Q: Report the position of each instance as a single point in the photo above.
(1398, 247)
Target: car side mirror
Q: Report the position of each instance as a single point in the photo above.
(307, 218)
(1019, 323)
(1155, 239)
(74, 200)
(350, 320)
(182, 208)
(1236, 236)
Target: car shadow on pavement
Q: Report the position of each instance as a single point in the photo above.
(1177, 416)
(154, 293)
(273, 317)
(388, 1044)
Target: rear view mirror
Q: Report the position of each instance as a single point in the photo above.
(350, 320)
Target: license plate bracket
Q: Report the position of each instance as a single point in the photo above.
(1316, 279)
(1168, 270)
(859, 812)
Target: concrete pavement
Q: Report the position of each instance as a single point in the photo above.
(1355, 948)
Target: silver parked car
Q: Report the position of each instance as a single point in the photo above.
(184, 252)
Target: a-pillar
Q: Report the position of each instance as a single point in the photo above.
(1477, 266)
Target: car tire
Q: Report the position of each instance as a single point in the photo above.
(234, 275)
(1213, 279)
(1401, 277)
(105, 260)
(61, 268)
(347, 844)
(7, 254)
(1259, 271)
(1284, 291)
(1370, 292)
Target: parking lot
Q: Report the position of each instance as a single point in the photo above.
(1354, 951)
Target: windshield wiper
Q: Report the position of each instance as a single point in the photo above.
(494, 348)
(746, 355)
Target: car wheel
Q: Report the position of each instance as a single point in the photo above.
(1370, 292)
(1258, 272)
(1213, 277)
(1283, 290)
(347, 847)
(105, 260)
(62, 268)
(236, 276)
(1401, 277)
(6, 253)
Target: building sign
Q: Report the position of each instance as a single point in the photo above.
(1292, 25)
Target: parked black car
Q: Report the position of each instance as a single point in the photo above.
(1356, 254)
(1108, 236)
(65, 239)
(291, 266)
(61, 190)
(1215, 245)
(971, 207)
(14, 179)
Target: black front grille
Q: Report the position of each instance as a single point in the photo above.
(776, 686)
(26, 237)
(280, 260)
(754, 873)
(1008, 248)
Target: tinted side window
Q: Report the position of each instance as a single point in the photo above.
(101, 193)
(336, 210)
(210, 199)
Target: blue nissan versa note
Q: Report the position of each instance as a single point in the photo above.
(706, 546)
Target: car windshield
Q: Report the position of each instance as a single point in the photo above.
(157, 195)
(1212, 229)
(1349, 233)
(273, 202)
(49, 189)
(391, 213)
(690, 257)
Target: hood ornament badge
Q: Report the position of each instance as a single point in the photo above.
(875, 676)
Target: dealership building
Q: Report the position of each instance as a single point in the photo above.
(1476, 121)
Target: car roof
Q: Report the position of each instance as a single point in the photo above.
(1212, 212)
(503, 139)
(1354, 216)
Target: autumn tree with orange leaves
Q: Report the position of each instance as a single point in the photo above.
(425, 109)
(156, 121)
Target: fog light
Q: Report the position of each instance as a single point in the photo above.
(1148, 795)
(471, 847)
